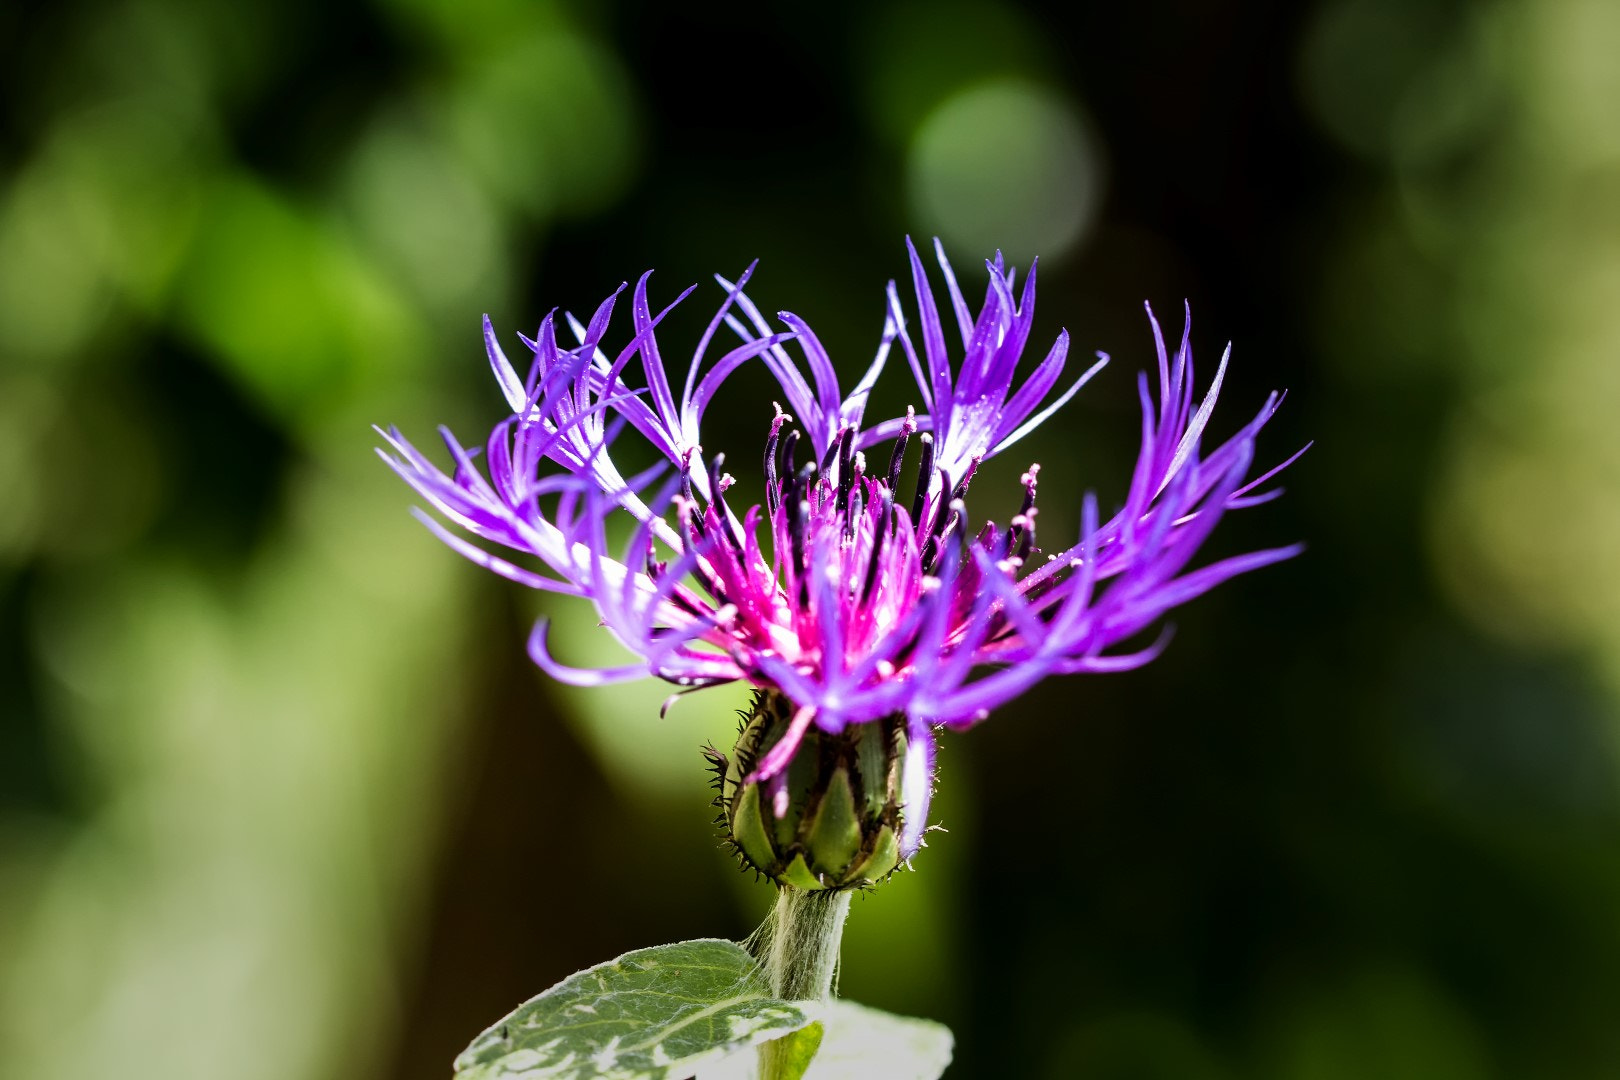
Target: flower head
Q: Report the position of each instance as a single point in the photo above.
(859, 589)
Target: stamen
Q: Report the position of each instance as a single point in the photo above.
(785, 464)
(692, 522)
(846, 480)
(691, 500)
(771, 445)
(798, 509)
(1028, 480)
(1021, 530)
(941, 519)
(792, 510)
(1026, 542)
(655, 568)
(961, 489)
(878, 534)
(718, 503)
(833, 450)
(685, 605)
(897, 459)
(925, 474)
(780, 418)
(935, 545)
(803, 568)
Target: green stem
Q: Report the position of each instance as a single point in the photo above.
(799, 951)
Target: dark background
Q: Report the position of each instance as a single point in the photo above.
(280, 794)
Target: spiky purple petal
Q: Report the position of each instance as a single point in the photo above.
(863, 600)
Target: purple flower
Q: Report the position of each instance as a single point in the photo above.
(859, 588)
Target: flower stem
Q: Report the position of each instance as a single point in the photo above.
(798, 947)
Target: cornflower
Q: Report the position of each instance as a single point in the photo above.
(858, 595)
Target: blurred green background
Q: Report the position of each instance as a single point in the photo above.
(281, 796)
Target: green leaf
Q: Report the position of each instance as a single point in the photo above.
(862, 1042)
(795, 1052)
(652, 1014)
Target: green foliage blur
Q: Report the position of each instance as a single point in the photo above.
(282, 798)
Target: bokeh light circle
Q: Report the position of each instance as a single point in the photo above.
(1005, 164)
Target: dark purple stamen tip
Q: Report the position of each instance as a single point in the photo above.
(880, 532)
(897, 460)
(925, 474)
